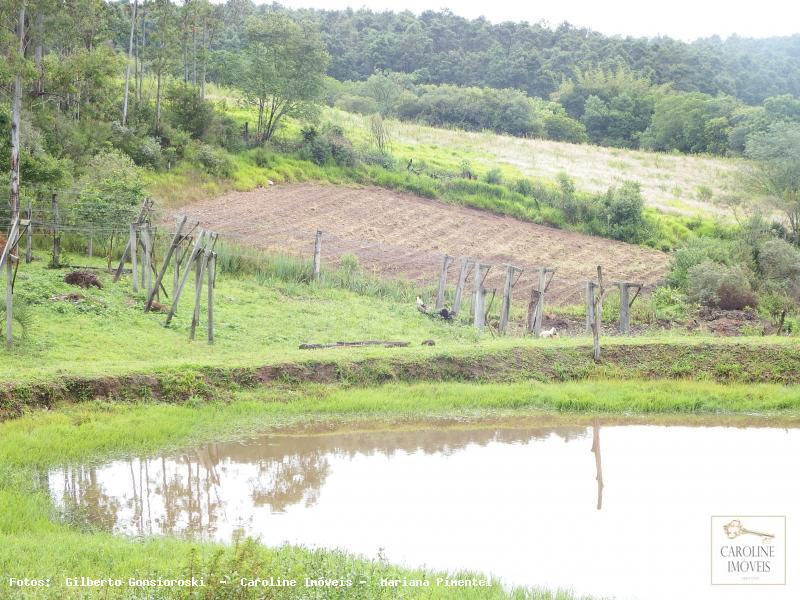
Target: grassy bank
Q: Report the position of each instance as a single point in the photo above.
(97, 431)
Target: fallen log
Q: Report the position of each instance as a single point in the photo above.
(384, 343)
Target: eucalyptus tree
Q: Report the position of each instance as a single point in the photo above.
(283, 69)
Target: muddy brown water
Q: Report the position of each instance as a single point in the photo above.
(520, 503)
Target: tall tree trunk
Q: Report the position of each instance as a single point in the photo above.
(38, 53)
(158, 100)
(203, 67)
(140, 51)
(16, 110)
(128, 66)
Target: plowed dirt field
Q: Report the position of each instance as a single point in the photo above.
(401, 235)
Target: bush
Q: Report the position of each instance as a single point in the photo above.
(696, 251)
(213, 160)
(111, 191)
(776, 305)
(330, 146)
(716, 285)
(563, 128)
(144, 150)
(189, 111)
(624, 212)
(381, 159)
(493, 177)
(779, 262)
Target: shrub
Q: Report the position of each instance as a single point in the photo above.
(110, 191)
(716, 285)
(381, 159)
(332, 145)
(624, 212)
(213, 160)
(189, 111)
(144, 150)
(493, 176)
(779, 261)
(696, 251)
(777, 306)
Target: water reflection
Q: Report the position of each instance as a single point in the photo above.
(181, 494)
(597, 462)
(526, 504)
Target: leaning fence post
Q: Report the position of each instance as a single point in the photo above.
(317, 255)
(147, 244)
(177, 295)
(446, 260)
(29, 234)
(172, 250)
(8, 256)
(134, 255)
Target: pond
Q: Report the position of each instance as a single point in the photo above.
(607, 509)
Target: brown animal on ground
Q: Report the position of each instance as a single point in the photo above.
(83, 279)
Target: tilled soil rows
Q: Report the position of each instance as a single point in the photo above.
(400, 235)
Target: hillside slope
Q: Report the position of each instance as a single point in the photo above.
(673, 183)
(402, 235)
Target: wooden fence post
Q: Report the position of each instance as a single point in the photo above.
(625, 303)
(624, 300)
(203, 261)
(56, 261)
(29, 234)
(143, 209)
(134, 244)
(91, 243)
(8, 258)
(480, 297)
(590, 285)
(463, 272)
(147, 248)
(172, 250)
(200, 265)
(537, 322)
(9, 298)
(505, 309)
(446, 260)
(317, 255)
(597, 311)
(177, 295)
(212, 282)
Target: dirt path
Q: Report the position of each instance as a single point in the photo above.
(401, 235)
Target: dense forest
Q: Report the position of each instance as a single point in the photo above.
(568, 83)
(440, 47)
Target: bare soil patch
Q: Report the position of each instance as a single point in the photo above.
(400, 235)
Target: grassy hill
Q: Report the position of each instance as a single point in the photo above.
(675, 183)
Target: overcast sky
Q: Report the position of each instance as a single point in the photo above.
(683, 19)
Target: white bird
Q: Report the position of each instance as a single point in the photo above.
(548, 333)
(421, 305)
